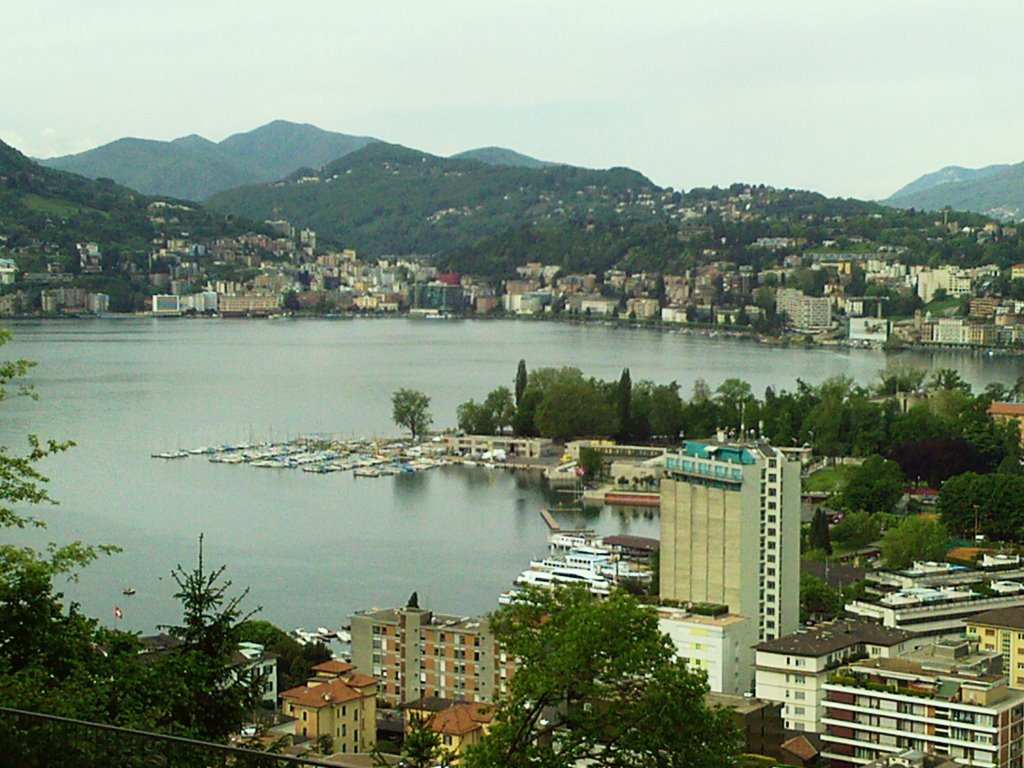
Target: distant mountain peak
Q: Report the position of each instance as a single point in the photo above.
(994, 190)
(502, 156)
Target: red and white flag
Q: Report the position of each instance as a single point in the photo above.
(118, 613)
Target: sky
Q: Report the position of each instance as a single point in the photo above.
(851, 99)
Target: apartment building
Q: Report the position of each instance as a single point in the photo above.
(730, 531)
(805, 313)
(792, 670)
(720, 645)
(937, 612)
(338, 704)
(417, 653)
(947, 698)
(1002, 631)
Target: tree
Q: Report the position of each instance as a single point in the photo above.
(501, 407)
(819, 534)
(875, 486)
(856, 530)
(590, 462)
(521, 379)
(916, 538)
(411, 409)
(623, 401)
(992, 505)
(421, 747)
(206, 695)
(598, 684)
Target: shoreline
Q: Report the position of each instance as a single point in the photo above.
(708, 332)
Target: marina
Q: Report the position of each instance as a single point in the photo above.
(364, 458)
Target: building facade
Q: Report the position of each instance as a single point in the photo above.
(730, 532)
(793, 670)
(805, 313)
(418, 653)
(337, 704)
(1002, 631)
(946, 698)
(721, 646)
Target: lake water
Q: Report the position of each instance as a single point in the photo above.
(313, 548)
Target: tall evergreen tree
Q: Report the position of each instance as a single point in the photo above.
(520, 382)
(624, 397)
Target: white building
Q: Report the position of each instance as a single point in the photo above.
(8, 271)
(931, 612)
(793, 670)
(166, 305)
(721, 646)
(805, 313)
(869, 330)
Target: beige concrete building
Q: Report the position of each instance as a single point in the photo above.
(419, 653)
(730, 531)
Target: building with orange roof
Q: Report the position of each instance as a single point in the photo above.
(458, 723)
(1004, 413)
(336, 704)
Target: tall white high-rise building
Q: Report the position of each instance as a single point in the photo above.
(730, 531)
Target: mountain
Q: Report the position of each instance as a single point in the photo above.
(502, 156)
(193, 168)
(385, 198)
(995, 190)
(43, 207)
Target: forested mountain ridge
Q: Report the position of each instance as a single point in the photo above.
(995, 190)
(193, 168)
(385, 198)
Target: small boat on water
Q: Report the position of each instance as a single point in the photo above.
(128, 591)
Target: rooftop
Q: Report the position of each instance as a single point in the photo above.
(834, 636)
(323, 694)
(1012, 617)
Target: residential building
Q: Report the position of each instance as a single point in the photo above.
(720, 645)
(254, 658)
(792, 670)
(419, 653)
(936, 612)
(459, 724)
(805, 313)
(1002, 630)
(913, 758)
(166, 305)
(947, 698)
(759, 722)
(730, 531)
(8, 272)
(868, 330)
(339, 704)
(248, 304)
(1004, 413)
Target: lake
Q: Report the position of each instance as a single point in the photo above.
(313, 548)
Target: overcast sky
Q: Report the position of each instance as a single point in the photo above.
(853, 99)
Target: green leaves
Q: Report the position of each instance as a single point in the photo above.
(598, 682)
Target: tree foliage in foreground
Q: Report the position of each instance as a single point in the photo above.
(599, 685)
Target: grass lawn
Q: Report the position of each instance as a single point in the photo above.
(945, 306)
(829, 479)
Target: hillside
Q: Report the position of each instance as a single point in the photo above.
(995, 190)
(502, 156)
(193, 168)
(385, 198)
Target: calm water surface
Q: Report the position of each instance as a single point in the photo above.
(313, 548)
